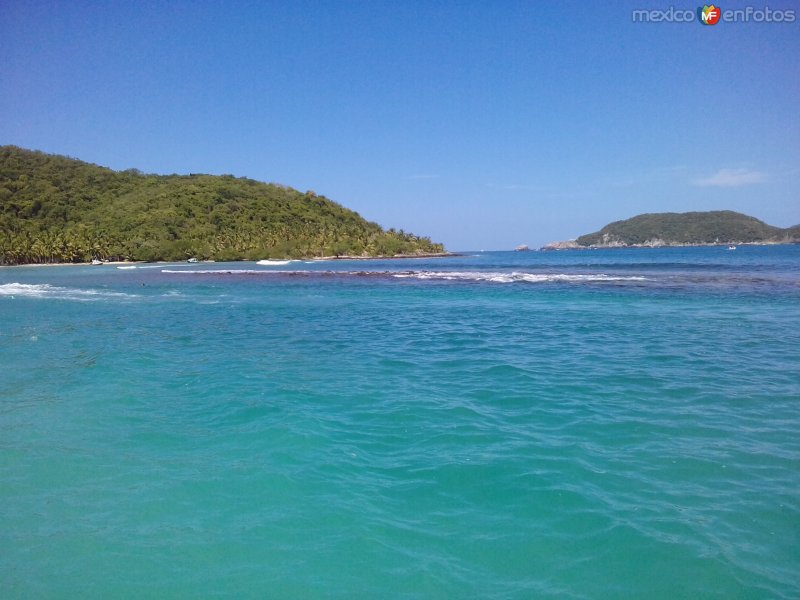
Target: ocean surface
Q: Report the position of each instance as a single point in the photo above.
(577, 424)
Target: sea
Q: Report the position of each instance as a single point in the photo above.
(620, 423)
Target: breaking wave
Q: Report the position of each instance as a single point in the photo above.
(226, 272)
(128, 267)
(515, 276)
(483, 276)
(45, 290)
(269, 262)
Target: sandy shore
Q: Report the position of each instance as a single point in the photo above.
(86, 264)
(172, 262)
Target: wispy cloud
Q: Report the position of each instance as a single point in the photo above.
(732, 178)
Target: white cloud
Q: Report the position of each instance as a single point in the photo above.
(732, 178)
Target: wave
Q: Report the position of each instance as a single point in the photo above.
(45, 290)
(484, 276)
(226, 272)
(270, 262)
(126, 267)
(517, 276)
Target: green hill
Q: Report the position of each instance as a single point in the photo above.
(692, 228)
(58, 209)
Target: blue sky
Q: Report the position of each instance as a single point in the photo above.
(481, 124)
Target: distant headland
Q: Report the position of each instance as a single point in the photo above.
(55, 209)
(653, 230)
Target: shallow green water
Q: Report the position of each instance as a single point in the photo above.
(580, 425)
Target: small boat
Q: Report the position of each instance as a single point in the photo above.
(731, 247)
(192, 260)
(97, 261)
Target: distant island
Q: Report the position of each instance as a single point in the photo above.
(652, 230)
(55, 209)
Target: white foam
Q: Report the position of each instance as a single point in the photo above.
(45, 290)
(139, 266)
(489, 276)
(221, 271)
(515, 276)
(270, 262)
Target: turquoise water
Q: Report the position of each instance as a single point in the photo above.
(588, 424)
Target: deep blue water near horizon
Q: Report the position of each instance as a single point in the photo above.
(577, 424)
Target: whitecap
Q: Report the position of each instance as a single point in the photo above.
(515, 276)
(140, 266)
(270, 262)
(221, 272)
(45, 290)
(478, 276)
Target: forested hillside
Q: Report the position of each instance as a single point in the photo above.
(712, 227)
(58, 209)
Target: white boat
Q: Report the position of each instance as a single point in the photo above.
(192, 260)
(731, 247)
(97, 261)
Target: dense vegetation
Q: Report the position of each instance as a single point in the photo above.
(58, 209)
(713, 227)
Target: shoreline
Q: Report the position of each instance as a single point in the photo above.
(82, 264)
(200, 262)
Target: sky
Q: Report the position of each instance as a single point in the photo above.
(482, 124)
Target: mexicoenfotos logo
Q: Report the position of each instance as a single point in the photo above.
(709, 15)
